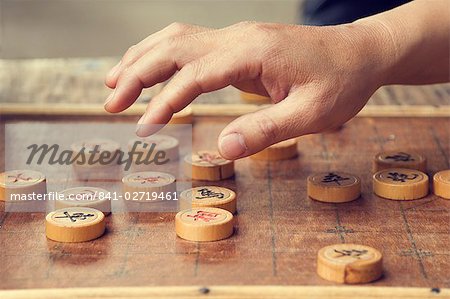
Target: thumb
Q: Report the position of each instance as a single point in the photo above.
(255, 131)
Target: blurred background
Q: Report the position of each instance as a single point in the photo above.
(55, 53)
(89, 28)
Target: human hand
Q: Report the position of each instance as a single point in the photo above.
(317, 77)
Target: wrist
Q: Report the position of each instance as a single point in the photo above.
(377, 49)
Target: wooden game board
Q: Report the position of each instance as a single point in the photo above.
(73, 87)
(278, 229)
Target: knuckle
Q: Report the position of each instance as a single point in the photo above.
(320, 114)
(194, 69)
(178, 27)
(253, 26)
(266, 32)
(130, 54)
(131, 73)
(170, 43)
(268, 128)
(190, 68)
(245, 24)
(193, 72)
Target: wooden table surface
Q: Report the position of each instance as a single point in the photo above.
(278, 228)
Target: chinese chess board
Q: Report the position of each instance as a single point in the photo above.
(278, 229)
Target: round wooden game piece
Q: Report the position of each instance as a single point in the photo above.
(209, 196)
(400, 184)
(185, 116)
(87, 197)
(441, 184)
(349, 263)
(204, 224)
(154, 147)
(157, 185)
(15, 184)
(208, 166)
(399, 159)
(283, 150)
(96, 152)
(254, 98)
(76, 224)
(334, 187)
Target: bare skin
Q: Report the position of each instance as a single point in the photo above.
(317, 77)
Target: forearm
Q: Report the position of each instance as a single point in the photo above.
(411, 42)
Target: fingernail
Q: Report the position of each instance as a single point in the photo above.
(113, 71)
(109, 98)
(232, 146)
